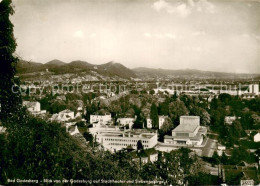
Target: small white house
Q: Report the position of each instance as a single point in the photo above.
(32, 106)
(221, 147)
(257, 137)
(149, 123)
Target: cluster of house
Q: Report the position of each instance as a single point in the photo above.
(34, 107)
(65, 117)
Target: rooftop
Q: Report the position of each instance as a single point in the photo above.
(65, 111)
(186, 128)
(30, 103)
(128, 134)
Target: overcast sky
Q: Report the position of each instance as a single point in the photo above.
(215, 35)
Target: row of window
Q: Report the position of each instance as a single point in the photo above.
(126, 140)
(94, 120)
(120, 144)
(182, 134)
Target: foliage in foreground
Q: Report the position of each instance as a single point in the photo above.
(33, 148)
(36, 149)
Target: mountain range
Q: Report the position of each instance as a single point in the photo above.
(58, 67)
(113, 69)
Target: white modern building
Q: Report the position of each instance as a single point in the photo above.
(118, 140)
(100, 119)
(188, 132)
(254, 89)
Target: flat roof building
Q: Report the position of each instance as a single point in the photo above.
(188, 132)
(118, 140)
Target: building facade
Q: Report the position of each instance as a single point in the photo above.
(118, 140)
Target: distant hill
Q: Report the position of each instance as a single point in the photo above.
(79, 63)
(26, 66)
(143, 72)
(110, 69)
(118, 69)
(55, 62)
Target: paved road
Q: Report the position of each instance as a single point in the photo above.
(209, 148)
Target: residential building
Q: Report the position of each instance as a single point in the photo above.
(63, 116)
(118, 140)
(126, 121)
(34, 107)
(100, 119)
(257, 137)
(161, 121)
(188, 132)
(149, 123)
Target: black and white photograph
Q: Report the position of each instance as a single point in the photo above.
(130, 92)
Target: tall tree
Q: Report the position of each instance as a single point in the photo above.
(167, 126)
(154, 116)
(177, 109)
(10, 99)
